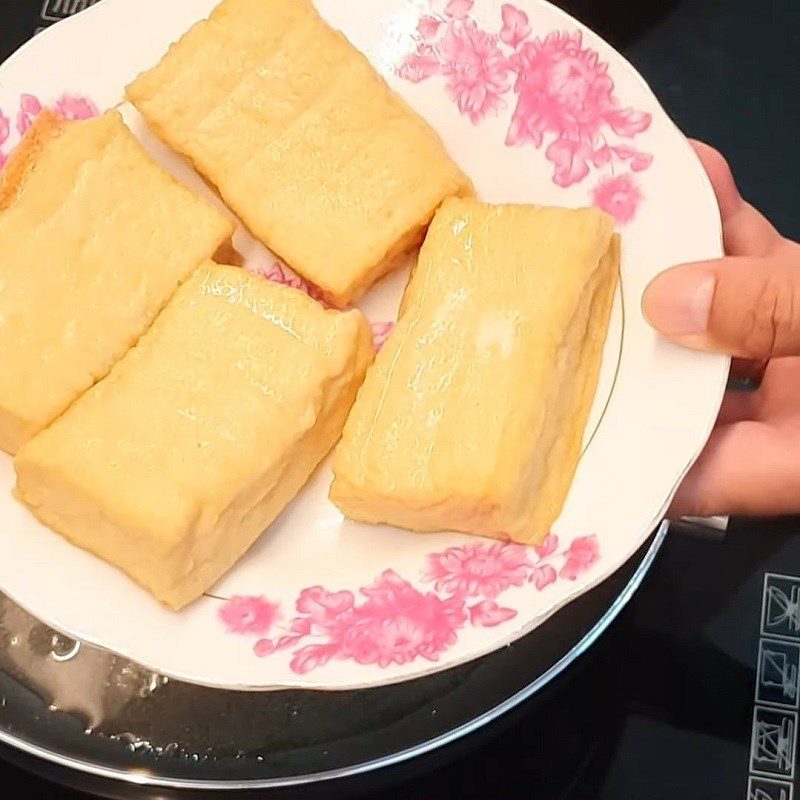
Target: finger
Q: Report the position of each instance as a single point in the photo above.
(738, 406)
(744, 306)
(745, 230)
(777, 395)
(719, 173)
(747, 468)
(784, 373)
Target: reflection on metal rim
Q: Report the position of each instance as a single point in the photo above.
(143, 779)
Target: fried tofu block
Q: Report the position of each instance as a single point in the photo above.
(94, 239)
(173, 465)
(473, 415)
(303, 140)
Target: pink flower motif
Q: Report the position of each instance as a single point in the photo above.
(428, 27)
(624, 152)
(564, 89)
(419, 66)
(458, 9)
(581, 555)
(398, 624)
(320, 612)
(542, 576)
(619, 197)
(570, 158)
(72, 106)
(29, 109)
(23, 123)
(516, 26)
(547, 547)
(380, 333)
(322, 606)
(248, 615)
(602, 156)
(477, 70)
(68, 106)
(487, 614)
(312, 657)
(395, 624)
(392, 622)
(637, 160)
(280, 273)
(300, 629)
(5, 128)
(30, 105)
(478, 570)
(626, 121)
(263, 648)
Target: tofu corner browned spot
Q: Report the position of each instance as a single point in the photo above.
(473, 415)
(172, 466)
(303, 139)
(95, 238)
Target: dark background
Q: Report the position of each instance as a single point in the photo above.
(661, 708)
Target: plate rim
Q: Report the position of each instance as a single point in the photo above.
(341, 773)
(711, 197)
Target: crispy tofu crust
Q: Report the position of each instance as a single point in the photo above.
(47, 126)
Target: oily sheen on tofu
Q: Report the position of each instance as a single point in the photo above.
(172, 466)
(303, 140)
(473, 415)
(95, 238)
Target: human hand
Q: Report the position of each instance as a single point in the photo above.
(747, 305)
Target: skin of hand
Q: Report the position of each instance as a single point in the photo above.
(746, 305)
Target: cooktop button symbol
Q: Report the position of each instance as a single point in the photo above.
(780, 608)
(768, 789)
(778, 680)
(773, 745)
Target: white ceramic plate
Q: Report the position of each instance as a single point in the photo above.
(536, 108)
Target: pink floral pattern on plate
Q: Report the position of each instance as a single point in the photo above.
(249, 615)
(391, 621)
(564, 98)
(70, 106)
(280, 273)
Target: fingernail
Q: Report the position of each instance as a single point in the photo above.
(678, 302)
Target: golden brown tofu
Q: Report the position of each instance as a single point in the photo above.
(472, 417)
(172, 466)
(94, 239)
(303, 140)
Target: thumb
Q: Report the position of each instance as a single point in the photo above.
(745, 306)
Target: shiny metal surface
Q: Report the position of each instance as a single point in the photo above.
(103, 683)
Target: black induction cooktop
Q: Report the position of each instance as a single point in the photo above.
(694, 691)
